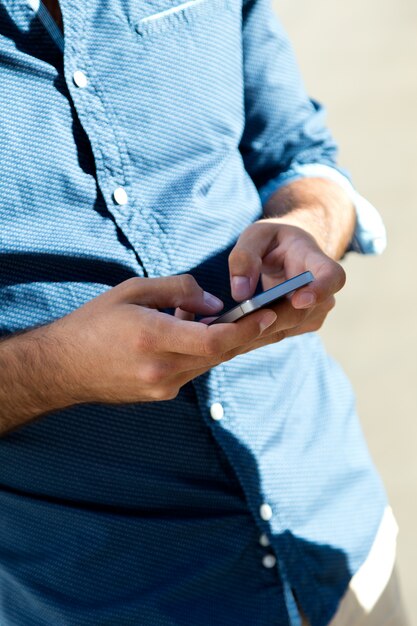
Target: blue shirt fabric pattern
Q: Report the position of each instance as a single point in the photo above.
(151, 514)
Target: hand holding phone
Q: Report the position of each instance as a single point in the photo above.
(264, 299)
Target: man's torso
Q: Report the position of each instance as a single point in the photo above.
(151, 514)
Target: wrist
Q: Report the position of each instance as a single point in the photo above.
(34, 377)
(61, 356)
(319, 207)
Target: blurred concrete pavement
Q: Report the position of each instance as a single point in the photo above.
(360, 59)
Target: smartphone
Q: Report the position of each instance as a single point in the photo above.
(264, 299)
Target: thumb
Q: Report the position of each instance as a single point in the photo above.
(245, 260)
(170, 291)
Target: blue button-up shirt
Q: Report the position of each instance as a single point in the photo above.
(145, 150)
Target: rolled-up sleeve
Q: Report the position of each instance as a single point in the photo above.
(285, 136)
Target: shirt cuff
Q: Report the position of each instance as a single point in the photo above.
(370, 235)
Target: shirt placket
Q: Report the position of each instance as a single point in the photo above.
(215, 410)
(113, 169)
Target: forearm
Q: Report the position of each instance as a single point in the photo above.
(318, 206)
(32, 378)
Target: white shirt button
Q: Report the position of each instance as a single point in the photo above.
(120, 196)
(269, 561)
(80, 79)
(264, 541)
(216, 411)
(265, 512)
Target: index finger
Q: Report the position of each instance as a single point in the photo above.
(329, 277)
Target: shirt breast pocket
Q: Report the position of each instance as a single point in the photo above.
(185, 81)
(179, 17)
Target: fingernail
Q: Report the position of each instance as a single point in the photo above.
(304, 300)
(267, 320)
(240, 287)
(212, 302)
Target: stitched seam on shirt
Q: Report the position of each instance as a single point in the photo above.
(82, 55)
(176, 9)
(112, 121)
(125, 166)
(219, 379)
(201, 9)
(215, 375)
(79, 36)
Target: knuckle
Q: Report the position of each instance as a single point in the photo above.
(223, 357)
(275, 338)
(316, 322)
(162, 393)
(131, 283)
(238, 255)
(239, 259)
(126, 287)
(212, 346)
(282, 334)
(330, 304)
(316, 325)
(154, 373)
(135, 281)
(242, 260)
(171, 393)
(300, 316)
(340, 275)
(188, 284)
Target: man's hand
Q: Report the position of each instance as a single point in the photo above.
(277, 252)
(119, 348)
(312, 221)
